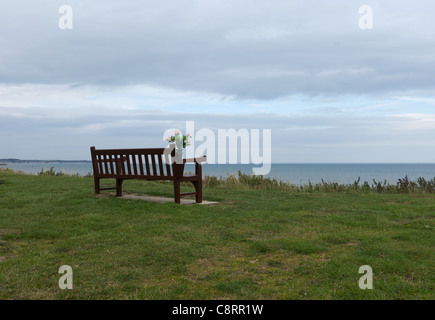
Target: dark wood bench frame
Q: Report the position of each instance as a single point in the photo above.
(146, 164)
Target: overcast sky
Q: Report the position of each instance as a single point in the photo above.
(129, 70)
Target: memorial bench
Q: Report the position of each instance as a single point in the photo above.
(146, 164)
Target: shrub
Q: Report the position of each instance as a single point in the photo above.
(245, 181)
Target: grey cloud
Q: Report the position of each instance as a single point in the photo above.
(46, 133)
(247, 49)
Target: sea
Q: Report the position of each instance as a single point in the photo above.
(295, 173)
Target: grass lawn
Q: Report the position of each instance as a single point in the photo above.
(256, 244)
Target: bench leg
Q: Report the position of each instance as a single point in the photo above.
(97, 185)
(177, 191)
(198, 185)
(198, 190)
(119, 187)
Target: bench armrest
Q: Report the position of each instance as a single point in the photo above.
(197, 160)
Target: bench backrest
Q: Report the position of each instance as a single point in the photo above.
(132, 163)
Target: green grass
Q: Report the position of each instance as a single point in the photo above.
(256, 244)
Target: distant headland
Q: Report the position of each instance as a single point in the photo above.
(11, 160)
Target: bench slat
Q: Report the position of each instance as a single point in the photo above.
(128, 164)
(100, 167)
(159, 157)
(153, 160)
(129, 151)
(130, 177)
(111, 164)
(134, 164)
(147, 163)
(105, 164)
(140, 164)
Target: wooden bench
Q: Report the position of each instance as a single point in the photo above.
(147, 164)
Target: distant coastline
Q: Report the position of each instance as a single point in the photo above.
(298, 174)
(6, 161)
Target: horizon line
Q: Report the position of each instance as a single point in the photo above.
(272, 163)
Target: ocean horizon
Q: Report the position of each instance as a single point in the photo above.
(295, 173)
